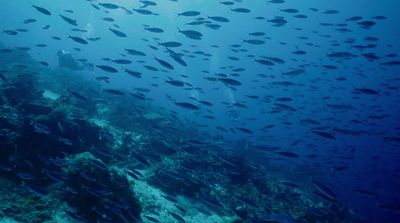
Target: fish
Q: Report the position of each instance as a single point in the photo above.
(118, 33)
(94, 38)
(187, 105)
(326, 135)
(109, 5)
(254, 41)
(75, 216)
(177, 217)
(6, 168)
(153, 29)
(294, 72)
(164, 63)
(107, 68)
(179, 60)
(290, 10)
(227, 3)
(394, 206)
(65, 141)
(324, 190)
(244, 130)
(136, 74)
(191, 34)
(122, 61)
(150, 218)
(391, 63)
(25, 176)
(77, 95)
(367, 24)
(114, 92)
(78, 39)
(175, 83)
(218, 18)
(281, 218)
(135, 52)
(264, 62)
(366, 91)
(144, 12)
(41, 128)
(229, 81)
(287, 154)
(69, 20)
(170, 44)
(147, 3)
(36, 190)
(27, 21)
(241, 10)
(10, 32)
(42, 10)
(189, 13)
(354, 18)
(278, 21)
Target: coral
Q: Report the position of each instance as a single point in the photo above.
(96, 191)
(18, 203)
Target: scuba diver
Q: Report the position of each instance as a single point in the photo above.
(65, 59)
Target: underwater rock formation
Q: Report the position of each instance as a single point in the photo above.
(69, 156)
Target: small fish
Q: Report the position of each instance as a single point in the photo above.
(77, 95)
(191, 34)
(324, 190)
(264, 62)
(41, 129)
(118, 33)
(36, 190)
(394, 206)
(391, 63)
(245, 130)
(78, 39)
(114, 92)
(107, 68)
(177, 217)
(122, 61)
(69, 20)
(10, 32)
(187, 105)
(27, 21)
(164, 63)
(144, 12)
(170, 44)
(42, 10)
(25, 176)
(65, 141)
(367, 91)
(288, 154)
(135, 52)
(74, 216)
(153, 29)
(241, 10)
(324, 134)
(218, 18)
(109, 5)
(189, 13)
(290, 10)
(175, 83)
(229, 81)
(179, 60)
(133, 73)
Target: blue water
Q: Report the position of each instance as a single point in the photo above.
(340, 114)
